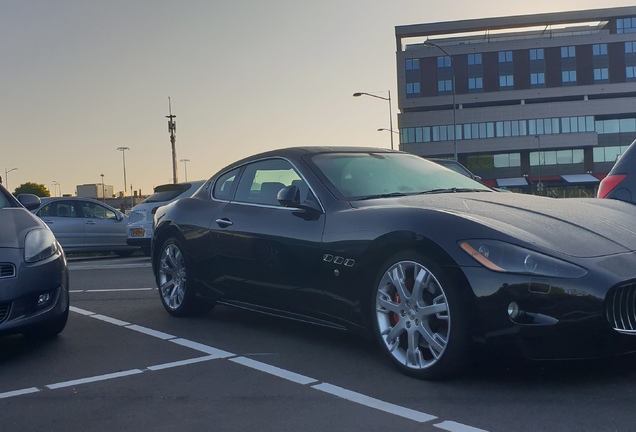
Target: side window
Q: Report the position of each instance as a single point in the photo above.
(96, 211)
(58, 209)
(261, 181)
(225, 185)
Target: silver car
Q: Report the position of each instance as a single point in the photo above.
(86, 225)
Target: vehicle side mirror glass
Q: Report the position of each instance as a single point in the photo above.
(30, 201)
(289, 196)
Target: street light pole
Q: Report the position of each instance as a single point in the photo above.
(432, 44)
(185, 167)
(6, 176)
(539, 184)
(390, 108)
(58, 186)
(172, 129)
(123, 155)
(103, 189)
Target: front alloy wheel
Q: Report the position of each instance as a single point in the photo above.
(417, 319)
(175, 289)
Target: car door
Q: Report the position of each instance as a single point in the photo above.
(268, 252)
(65, 220)
(104, 228)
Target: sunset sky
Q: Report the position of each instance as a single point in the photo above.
(81, 78)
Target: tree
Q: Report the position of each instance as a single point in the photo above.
(32, 188)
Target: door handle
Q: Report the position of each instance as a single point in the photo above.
(224, 222)
(90, 222)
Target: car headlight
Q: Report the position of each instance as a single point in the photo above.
(39, 244)
(505, 257)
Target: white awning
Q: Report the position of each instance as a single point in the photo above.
(512, 182)
(580, 178)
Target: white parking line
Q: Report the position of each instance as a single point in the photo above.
(375, 403)
(215, 353)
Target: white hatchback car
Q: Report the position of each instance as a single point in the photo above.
(139, 230)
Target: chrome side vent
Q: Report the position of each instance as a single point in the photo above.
(621, 308)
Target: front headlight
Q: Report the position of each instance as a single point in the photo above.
(505, 257)
(39, 244)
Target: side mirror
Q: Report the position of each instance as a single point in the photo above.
(289, 196)
(30, 201)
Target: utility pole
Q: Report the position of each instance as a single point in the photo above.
(172, 129)
(123, 155)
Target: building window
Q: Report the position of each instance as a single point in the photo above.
(474, 59)
(507, 160)
(412, 64)
(630, 47)
(568, 77)
(506, 81)
(608, 154)
(443, 62)
(444, 86)
(475, 84)
(568, 52)
(626, 25)
(505, 56)
(413, 88)
(536, 54)
(601, 75)
(537, 79)
(630, 73)
(599, 49)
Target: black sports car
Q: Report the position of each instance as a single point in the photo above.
(388, 243)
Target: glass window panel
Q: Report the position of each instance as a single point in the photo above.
(598, 154)
(515, 159)
(611, 126)
(574, 125)
(534, 158)
(515, 128)
(507, 128)
(501, 161)
(442, 133)
(547, 126)
(499, 129)
(581, 125)
(474, 130)
(482, 130)
(523, 131)
(548, 158)
(458, 131)
(599, 126)
(490, 130)
(411, 135)
(564, 157)
(565, 124)
(578, 156)
(532, 127)
(427, 134)
(539, 127)
(555, 126)
(435, 130)
(419, 135)
(612, 153)
(627, 125)
(467, 134)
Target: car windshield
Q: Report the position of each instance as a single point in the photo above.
(369, 175)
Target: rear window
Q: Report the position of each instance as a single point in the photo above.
(167, 192)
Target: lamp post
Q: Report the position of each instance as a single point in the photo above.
(123, 155)
(539, 184)
(58, 186)
(103, 189)
(185, 167)
(172, 129)
(6, 176)
(388, 130)
(432, 44)
(358, 94)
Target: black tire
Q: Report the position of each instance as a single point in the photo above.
(176, 290)
(420, 318)
(49, 329)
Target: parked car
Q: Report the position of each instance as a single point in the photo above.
(620, 182)
(34, 295)
(389, 244)
(139, 230)
(85, 225)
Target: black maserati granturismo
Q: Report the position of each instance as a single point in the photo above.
(426, 260)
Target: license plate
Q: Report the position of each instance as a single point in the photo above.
(137, 232)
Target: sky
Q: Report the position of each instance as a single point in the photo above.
(81, 78)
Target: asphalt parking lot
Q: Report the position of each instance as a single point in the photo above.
(124, 364)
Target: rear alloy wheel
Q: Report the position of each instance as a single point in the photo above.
(175, 289)
(418, 318)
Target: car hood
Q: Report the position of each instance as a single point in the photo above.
(580, 227)
(15, 223)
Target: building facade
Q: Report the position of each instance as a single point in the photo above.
(537, 103)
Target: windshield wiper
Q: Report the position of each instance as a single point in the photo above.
(453, 190)
(384, 195)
